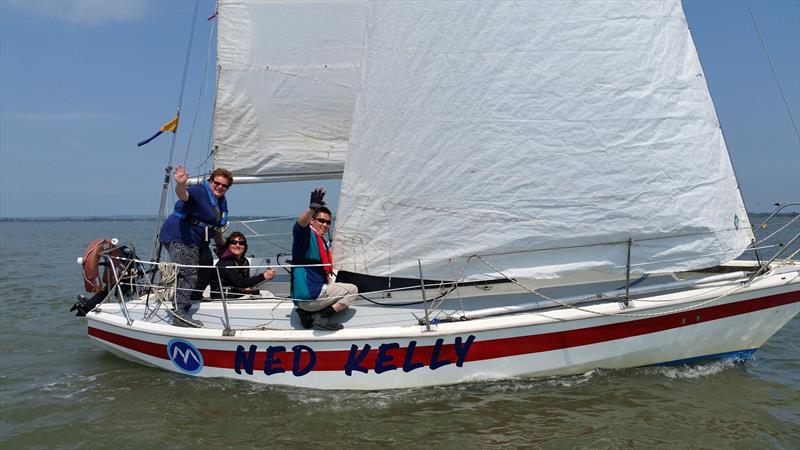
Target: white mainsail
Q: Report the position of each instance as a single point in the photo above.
(541, 135)
(288, 77)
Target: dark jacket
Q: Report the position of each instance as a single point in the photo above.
(234, 278)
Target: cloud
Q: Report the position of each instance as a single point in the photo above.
(87, 12)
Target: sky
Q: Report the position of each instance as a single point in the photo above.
(82, 81)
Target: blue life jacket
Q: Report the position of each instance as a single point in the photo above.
(195, 221)
(302, 275)
(221, 210)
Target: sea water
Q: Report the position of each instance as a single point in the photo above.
(57, 390)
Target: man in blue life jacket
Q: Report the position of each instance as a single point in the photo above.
(200, 215)
(315, 293)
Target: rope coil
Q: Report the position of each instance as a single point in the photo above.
(169, 281)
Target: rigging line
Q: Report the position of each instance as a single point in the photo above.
(757, 228)
(244, 224)
(524, 251)
(780, 207)
(201, 96)
(185, 72)
(600, 313)
(208, 156)
(167, 179)
(765, 268)
(678, 259)
(266, 235)
(780, 229)
(762, 247)
(200, 266)
(455, 284)
(772, 67)
(634, 283)
(272, 219)
(211, 151)
(597, 244)
(416, 302)
(210, 135)
(213, 100)
(453, 287)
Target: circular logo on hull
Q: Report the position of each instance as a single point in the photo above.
(185, 356)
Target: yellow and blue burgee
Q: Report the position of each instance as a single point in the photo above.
(172, 125)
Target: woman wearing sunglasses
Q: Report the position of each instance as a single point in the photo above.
(233, 270)
(200, 216)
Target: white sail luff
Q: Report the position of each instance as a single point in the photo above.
(535, 132)
(288, 77)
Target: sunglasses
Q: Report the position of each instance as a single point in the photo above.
(238, 243)
(223, 185)
(326, 222)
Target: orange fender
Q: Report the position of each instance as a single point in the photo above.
(92, 281)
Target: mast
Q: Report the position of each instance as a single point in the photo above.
(156, 252)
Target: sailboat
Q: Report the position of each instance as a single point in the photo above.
(528, 189)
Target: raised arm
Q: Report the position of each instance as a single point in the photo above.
(317, 201)
(181, 177)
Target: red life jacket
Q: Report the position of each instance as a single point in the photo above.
(324, 253)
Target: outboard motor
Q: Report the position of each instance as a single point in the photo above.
(94, 283)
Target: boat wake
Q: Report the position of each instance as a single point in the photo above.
(694, 371)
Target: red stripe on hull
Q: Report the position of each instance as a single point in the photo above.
(480, 350)
(138, 345)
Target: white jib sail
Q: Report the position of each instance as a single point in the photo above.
(287, 81)
(541, 135)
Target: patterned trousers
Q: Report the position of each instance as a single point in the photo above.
(191, 280)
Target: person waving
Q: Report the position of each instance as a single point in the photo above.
(315, 293)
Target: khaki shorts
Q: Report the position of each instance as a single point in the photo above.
(343, 293)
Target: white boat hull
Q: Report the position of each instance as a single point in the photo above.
(730, 321)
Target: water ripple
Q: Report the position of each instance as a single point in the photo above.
(58, 390)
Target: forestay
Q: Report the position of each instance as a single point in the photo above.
(288, 75)
(535, 134)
